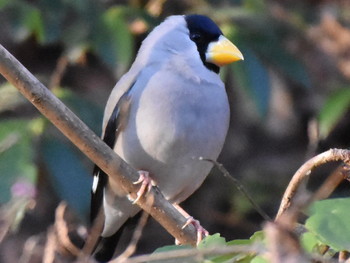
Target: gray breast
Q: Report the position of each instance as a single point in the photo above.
(170, 126)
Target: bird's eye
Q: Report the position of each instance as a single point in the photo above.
(196, 37)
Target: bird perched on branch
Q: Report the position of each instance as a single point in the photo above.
(168, 110)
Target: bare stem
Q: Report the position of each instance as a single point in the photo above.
(240, 187)
(332, 155)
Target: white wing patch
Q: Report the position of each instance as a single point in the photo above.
(95, 183)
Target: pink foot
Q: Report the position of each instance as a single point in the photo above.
(201, 231)
(146, 183)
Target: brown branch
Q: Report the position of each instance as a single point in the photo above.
(62, 231)
(283, 245)
(332, 155)
(121, 175)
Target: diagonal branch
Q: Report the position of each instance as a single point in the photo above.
(121, 175)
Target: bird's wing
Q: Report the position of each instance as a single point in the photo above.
(114, 119)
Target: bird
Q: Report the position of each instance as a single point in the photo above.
(167, 111)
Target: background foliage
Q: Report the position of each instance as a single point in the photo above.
(289, 100)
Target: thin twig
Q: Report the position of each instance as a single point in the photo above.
(57, 75)
(332, 155)
(50, 247)
(62, 230)
(195, 253)
(240, 187)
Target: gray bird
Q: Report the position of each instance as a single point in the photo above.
(168, 110)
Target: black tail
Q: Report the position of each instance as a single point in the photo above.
(108, 246)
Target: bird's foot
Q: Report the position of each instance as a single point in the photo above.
(201, 231)
(146, 184)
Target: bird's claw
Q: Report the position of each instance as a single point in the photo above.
(201, 231)
(146, 183)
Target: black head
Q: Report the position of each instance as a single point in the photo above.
(203, 30)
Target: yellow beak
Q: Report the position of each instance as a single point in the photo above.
(222, 52)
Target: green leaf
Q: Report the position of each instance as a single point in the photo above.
(90, 113)
(333, 110)
(255, 5)
(70, 179)
(34, 22)
(64, 162)
(10, 97)
(114, 42)
(214, 241)
(310, 242)
(250, 73)
(208, 242)
(4, 3)
(256, 237)
(258, 259)
(253, 75)
(53, 13)
(83, 24)
(284, 62)
(265, 37)
(329, 221)
(16, 157)
(173, 260)
(171, 248)
(258, 80)
(246, 257)
(211, 241)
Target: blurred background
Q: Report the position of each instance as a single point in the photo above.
(290, 99)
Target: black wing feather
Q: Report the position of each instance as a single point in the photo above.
(105, 246)
(110, 137)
